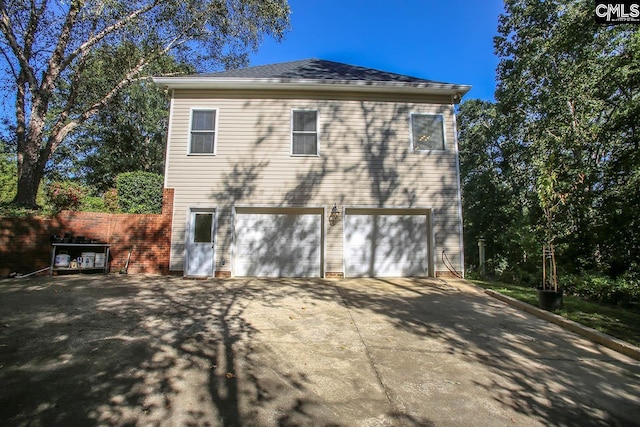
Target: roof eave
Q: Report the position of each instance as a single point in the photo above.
(425, 88)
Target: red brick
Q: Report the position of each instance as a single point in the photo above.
(25, 243)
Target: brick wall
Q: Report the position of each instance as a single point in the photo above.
(25, 243)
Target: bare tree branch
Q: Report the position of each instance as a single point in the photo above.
(55, 61)
(83, 48)
(47, 46)
(6, 27)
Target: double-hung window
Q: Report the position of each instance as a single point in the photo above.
(427, 132)
(203, 132)
(304, 133)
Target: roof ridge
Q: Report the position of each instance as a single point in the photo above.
(316, 69)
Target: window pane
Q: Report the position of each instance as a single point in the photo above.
(202, 228)
(305, 143)
(202, 142)
(203, 120)
(427, 131)
(304, 121)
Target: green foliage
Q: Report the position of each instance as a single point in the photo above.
(127, 135)
(623, 291)
(110, 200)
(140, 192)
(93, 204)
(560, 148)
(9, 210)
(8, 176)
(66, 195)
(67, 61)
(557, 157)
(496, 203)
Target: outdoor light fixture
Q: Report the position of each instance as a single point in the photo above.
(335, 215)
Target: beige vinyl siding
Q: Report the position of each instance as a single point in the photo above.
(364, 160)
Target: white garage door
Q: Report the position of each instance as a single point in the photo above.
(386, 245)
(278, 244)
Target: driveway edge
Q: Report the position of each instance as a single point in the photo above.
(608, 341)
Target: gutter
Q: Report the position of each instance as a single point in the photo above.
(418, 88)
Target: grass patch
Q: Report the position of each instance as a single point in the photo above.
(618, 322)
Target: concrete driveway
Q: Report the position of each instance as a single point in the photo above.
(134, 350)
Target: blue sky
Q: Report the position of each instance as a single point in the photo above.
(443, 40)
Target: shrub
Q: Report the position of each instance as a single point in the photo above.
(140, 192)
(110, 200)
(519, 276)
(66, 195)
(624, 291)
(8, 178)
(93, 204)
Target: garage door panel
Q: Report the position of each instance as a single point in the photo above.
(278, 245)
(384, 245)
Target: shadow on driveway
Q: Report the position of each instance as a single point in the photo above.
(135, 350)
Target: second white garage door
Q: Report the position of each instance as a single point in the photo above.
(386, 243)
(278, 244)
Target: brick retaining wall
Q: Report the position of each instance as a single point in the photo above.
(25, 243)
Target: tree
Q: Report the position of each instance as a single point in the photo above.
(127, 135)
(496, 205)
(618, 232)
(571, 111)
(484, 194)
(46, 47)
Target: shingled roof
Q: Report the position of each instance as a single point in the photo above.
(317, 69)
(314, 74)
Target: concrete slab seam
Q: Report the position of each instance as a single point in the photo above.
(368, 353)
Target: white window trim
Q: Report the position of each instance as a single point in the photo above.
(444, 134)
(215, 131)
(317, 132)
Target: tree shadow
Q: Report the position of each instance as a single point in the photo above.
(167, 351)
(532, 367)
(401, 179)
(279, 244)
(159, 351)
(364, 160)
(24, 244)
(125, 354)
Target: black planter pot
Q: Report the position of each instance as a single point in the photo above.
(550, 300)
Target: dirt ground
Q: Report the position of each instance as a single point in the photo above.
(151, 350)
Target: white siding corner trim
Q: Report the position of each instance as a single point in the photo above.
(167, 153)
(459, 184)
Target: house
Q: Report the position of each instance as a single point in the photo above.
(313, 168)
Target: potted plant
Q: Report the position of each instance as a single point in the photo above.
(550, 295)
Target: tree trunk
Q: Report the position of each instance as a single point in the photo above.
(30, 171)
(28, 184)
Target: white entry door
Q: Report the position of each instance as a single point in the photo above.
(200, 243)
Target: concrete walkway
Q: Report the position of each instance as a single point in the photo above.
(135, 350)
